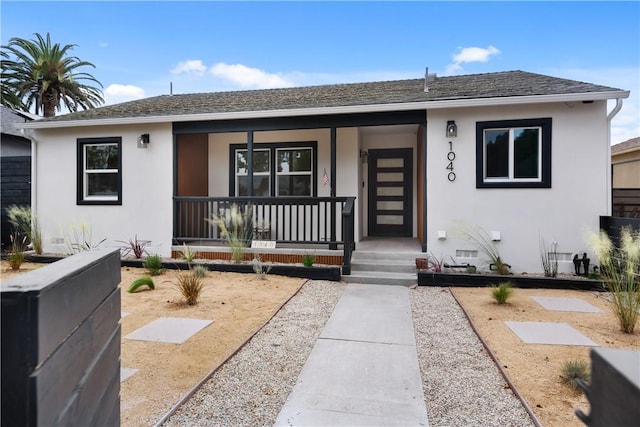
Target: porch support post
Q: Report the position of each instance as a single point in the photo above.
(249, 163)
(332, 185)
(424, 184)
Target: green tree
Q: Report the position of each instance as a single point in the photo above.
(37, 72)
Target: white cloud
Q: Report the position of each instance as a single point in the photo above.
(191, 66)
(469, 55)
(247, 77)
(116, 93)
(103, 44)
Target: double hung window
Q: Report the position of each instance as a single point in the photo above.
(99, 174)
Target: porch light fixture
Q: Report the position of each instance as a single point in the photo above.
(364, 156)
(143, 140)
(452, 129)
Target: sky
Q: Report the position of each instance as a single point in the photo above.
(148, 48)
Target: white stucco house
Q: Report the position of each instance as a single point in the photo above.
(525, 156)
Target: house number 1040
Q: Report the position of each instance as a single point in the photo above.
(451, 156)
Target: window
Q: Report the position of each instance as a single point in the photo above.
(513, 153)
(99, 171)
(278, 170)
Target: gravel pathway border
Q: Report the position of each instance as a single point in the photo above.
(462, 384)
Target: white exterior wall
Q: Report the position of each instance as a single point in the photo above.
(564, 212)
(147, 183)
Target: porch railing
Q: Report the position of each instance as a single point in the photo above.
(293, 220)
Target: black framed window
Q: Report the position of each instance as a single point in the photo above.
(513, 153)
(99, 174)
(287, 169)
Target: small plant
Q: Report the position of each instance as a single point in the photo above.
(260, 268)
(502, 292)
(142, 281)
(153, 265)
(235, 230)
(549, 258)
(482, 241)
(189, 286)
(137, 247)
(308, 260)
(199, 270)
(574, 370)
(23, 220)
(79, 238)
(620, 269)
(187, 254)
(435, 263)
(15, 254)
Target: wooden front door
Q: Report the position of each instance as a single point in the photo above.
(390, 192)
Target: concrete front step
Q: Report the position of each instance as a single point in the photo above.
(381, 278)
(391, 266)
(386, 256)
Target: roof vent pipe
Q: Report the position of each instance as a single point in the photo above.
(428, 78)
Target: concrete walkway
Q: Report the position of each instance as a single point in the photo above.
(363, 370)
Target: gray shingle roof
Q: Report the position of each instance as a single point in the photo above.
(8, 120)
(491, 85)
(626, 145)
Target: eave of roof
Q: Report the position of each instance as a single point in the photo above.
(351, 109)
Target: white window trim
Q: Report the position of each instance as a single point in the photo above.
(87, 172)
(511, 156)
(308, 173)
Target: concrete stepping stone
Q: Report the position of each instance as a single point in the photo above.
(548, 333)
(126, 373)
(173, 330)
(566, 304)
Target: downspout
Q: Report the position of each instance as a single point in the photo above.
(34, 173)
(610, 117)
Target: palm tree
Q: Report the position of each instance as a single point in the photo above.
(39, 73)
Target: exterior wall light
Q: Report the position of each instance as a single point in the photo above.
(452, 129)
(364, 156)
(143, 140)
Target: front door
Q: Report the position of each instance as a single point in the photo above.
(390, 192)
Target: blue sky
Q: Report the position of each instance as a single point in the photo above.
(139, 48)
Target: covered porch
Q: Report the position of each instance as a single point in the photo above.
(315, 185)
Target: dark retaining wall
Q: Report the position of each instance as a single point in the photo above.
(61, 343)
(429, 278)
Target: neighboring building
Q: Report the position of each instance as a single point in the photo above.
(625, 169)
(15, 167)
(516, 153)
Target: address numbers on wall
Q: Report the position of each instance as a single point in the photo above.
(451, 156)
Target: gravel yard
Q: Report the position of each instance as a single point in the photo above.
(462, 384)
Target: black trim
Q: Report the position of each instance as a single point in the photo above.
(544, 123)
(301, 122)
(81, 142)
(272, 146)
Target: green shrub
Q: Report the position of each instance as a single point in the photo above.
(574, 370)
(502, 292)
(482, 241)
(199, 270)
(190, 287)
(153, 265)
(308, 260)
(15, 254)
(260, 268)
(620, 269)
(187, 254)
(22, 219)
(235, 230)
(142, 281)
